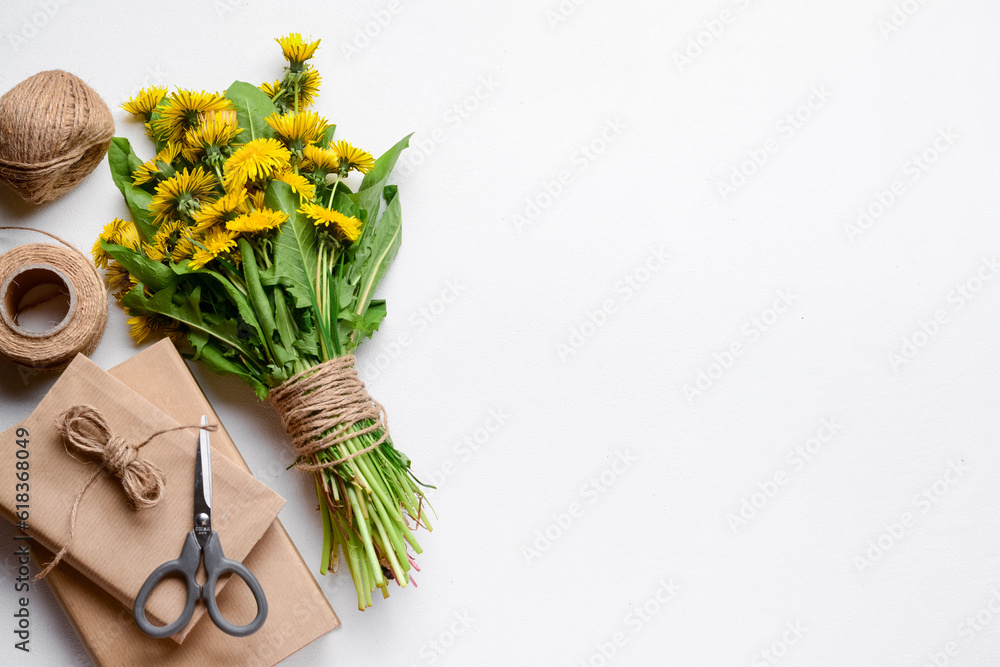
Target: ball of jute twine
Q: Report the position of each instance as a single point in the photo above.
(54, 130)
(319, 408)
(27, 266)
(88, 437)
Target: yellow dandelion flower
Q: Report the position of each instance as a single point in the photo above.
(298, 130)
(112, 228)
(166, 235)
(119, 232)
(140, 327)
(100, 257)
(200, 258)
(144, 327)
(257, 198)
(144, 103)
(295, 50)
(216, 129)
(183, 193)
(181, 112)
(172, 330)
(185, 247)
(254, 161)
(321, 157)
(305, 188)
(309, 87)
(128, 235)
(348, 227)
(118, 280)
(110, 235)
(167, 229)
(270, 89)
(154, 251)
(352, 158)
(146, 171)
(226, 207)
(261, 220)
(215, 243)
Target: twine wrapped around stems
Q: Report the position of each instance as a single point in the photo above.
(319, 408)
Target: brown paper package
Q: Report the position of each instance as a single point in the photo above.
(298, 611)
(115, 546)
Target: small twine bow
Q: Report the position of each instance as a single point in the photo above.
(87, 434)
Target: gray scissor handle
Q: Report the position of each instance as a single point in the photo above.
(216, 564)
(186, 565)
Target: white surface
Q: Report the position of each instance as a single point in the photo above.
(681, 131)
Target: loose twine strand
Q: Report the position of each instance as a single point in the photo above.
(54, 129)
(319, 408)
(88, 438)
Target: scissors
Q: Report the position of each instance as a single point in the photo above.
(202, 543)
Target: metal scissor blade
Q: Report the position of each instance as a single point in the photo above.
(203, 482)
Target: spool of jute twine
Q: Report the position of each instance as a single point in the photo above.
(320, 408)
(54, 129)
(68, 272)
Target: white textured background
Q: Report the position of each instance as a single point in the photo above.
(554, 156)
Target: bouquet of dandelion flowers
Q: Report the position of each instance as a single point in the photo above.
(247, 245)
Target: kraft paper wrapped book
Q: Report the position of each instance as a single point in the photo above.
(298, 614)
(115, 546)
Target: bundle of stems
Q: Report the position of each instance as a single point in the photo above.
(364, 504)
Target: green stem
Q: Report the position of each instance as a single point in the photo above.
(262, 253)
(389, 547)
(333, 190)
(320, 315)
(410, 538)
(352, 551)
(353, 447)
(235, 278)
(366, 538)
(334, 323)
(258, 299)
(324, 565)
